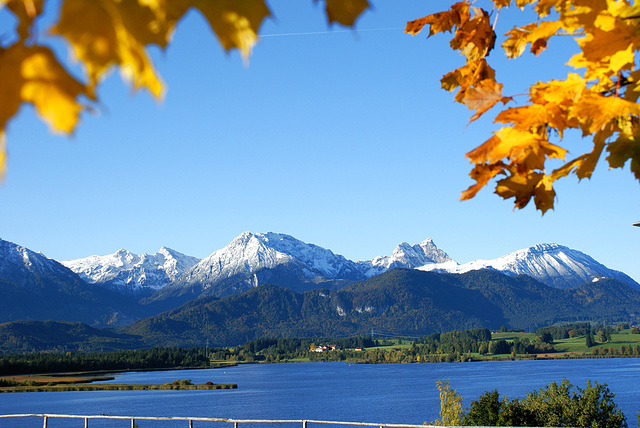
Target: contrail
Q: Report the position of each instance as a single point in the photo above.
(330, 32)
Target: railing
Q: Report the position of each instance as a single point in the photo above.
(235, 422)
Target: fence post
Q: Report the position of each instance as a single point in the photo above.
(190, 423)
(304, 424)
(235, 425)
(44, 423)
(133, 423)
(86, 422)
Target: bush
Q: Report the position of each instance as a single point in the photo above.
(552, 406)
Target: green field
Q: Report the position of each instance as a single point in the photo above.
(512, 335)
(577, 344)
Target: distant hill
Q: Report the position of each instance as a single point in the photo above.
(34, 336)
(400, 301)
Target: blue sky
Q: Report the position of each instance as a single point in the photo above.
(340, 138)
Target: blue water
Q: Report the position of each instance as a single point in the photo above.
(383, 393)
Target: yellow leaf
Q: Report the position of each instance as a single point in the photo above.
(10, 84)
(560, 92)
(3, 155)
(524, 149)
(633, 89)
(605, 22)
(584, 164)
(48, 86)
(537, 34)
(526, 118)
(522, 3)
(501, 3)
(581, 14)
(475, 38)
(345, 12)
(586, 167)
(152, 21)
(468, 75)
(521, 187)
(605, 53)
(544, 195)
(625, 148)
(484, 153)
(100, 34)
(235, 22)
(483, 96)
(482, 173)
(34, 75)
(536, 117)
(517, 41)
(26, 11)
(543, 7)
(595, 111)
(441, 21)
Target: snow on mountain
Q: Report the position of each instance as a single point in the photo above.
(255, 258)
(16, 260)
(552, 264)
(129, 272)
(249, 253)
(407, 256)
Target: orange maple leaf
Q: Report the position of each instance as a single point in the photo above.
(441, 21)
(483, 96)
(482, 173)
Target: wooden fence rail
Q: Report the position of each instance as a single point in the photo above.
(190, 420)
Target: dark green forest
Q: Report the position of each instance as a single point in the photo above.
(454, 346)
(401, 301)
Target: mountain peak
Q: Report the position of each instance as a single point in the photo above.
(552, 264)
(15, 257)
(408, 256)
(133, 273)
(250, 252)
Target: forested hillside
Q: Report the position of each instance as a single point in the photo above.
(401, 301)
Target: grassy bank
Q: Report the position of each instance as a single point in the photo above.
(113, 387)
(84, 382)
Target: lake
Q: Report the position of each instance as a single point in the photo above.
(382, 393)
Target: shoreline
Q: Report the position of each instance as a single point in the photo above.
(85, 381)
(114, 387)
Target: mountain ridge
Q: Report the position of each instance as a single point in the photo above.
(555, 265)
(400, 301)
(34, 287)
(252, 259)
(292, 293)
(133, 273)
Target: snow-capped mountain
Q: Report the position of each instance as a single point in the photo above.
(128, 272)
(407, 256)
(251, 252)
(252, 259)
(22, 264)
(552, 264)
(34, 287)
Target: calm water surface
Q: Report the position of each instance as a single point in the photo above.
(383, 393)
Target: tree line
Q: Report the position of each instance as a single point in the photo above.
(462, 345)
(554, 405)
(141, 359)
